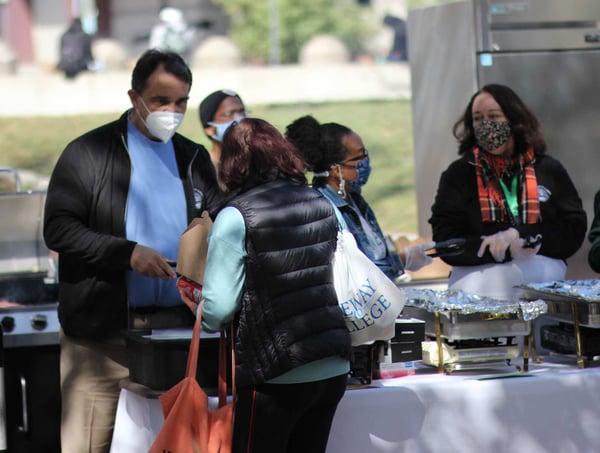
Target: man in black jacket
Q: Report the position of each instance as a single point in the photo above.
(118, 200)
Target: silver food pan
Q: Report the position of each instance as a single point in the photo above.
(561, 296)
(457, 326)
(466, 316)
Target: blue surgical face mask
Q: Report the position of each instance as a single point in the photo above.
(363, 168)
(221, 128)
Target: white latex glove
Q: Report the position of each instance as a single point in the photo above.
(416, 257)
(498, 243)
(518, 251)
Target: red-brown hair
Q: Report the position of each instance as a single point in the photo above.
(254, 152)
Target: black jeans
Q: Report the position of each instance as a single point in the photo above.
(286, 418)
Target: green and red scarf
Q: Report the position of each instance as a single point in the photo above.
(489, 170)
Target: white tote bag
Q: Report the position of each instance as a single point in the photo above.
(369, 300)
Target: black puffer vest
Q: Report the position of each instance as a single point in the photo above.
(289, 315)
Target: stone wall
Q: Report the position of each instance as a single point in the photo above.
(36, 92)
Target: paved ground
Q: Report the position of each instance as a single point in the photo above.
(35, 91)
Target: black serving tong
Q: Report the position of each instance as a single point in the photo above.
(450, 247)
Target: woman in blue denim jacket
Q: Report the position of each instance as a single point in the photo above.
(340, 164)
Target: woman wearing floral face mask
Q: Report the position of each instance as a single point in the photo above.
(517, 207)
(341, 166)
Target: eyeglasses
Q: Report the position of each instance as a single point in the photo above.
(363, 156)
(231, 113)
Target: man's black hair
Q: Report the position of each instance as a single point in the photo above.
(172, 62)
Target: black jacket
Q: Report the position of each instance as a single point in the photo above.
(456, 212)
(594, 236)
(289, 314)
(85, 223)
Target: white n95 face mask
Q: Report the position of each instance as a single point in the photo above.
(162, 125)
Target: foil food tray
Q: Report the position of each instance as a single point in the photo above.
(560, 295)
(467, 316)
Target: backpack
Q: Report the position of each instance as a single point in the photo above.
(74, 56)
(175, 40)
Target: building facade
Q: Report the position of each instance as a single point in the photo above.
(31, 29)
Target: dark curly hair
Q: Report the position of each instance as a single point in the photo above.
(526, 128)
(320, 144)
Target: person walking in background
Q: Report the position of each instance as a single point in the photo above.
(269, 268)
(172, 32)
(341, 167)
(75, 50)
(217, 112)
(516, 206)
(117, 202)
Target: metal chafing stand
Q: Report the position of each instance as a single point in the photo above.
(456, 315)
(572, 301)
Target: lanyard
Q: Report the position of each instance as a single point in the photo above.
(511, 195)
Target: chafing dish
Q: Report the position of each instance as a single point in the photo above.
(468, 316)
(561, 295)
(573, 302)
(470, 329)
(457, 326)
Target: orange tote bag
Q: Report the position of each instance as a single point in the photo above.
(190, 426)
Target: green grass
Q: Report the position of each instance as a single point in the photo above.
(385, 127)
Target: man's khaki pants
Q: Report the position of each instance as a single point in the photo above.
(90, 373)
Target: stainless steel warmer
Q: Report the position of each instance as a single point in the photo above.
(548, 51)
(28, 320)
(576, 304)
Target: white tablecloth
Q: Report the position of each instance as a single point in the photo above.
(555, 408)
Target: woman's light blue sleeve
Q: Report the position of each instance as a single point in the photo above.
(225, 271)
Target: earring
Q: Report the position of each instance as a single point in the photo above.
(342, 184)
